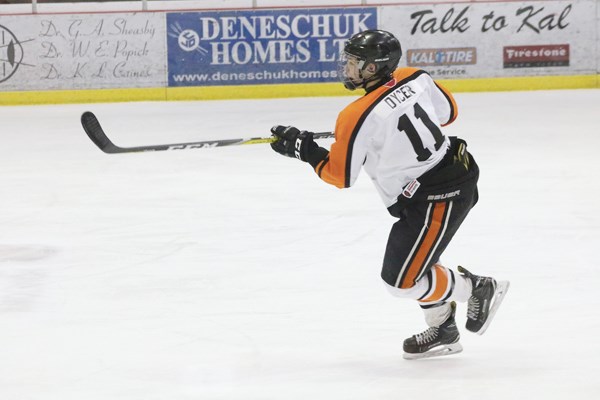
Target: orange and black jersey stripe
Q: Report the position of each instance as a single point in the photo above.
(358, 127)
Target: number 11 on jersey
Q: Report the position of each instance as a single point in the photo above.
(405, 125)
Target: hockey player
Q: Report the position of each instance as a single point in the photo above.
(426, 179)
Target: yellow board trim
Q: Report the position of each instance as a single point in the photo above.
(522, 83)
(82, 96)
(283, 91)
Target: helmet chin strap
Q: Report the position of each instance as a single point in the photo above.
(362, 84)
(363, 81)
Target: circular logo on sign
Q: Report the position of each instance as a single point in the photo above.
(11, 54)
(189, 40)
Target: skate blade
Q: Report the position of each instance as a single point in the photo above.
(445, 350)
(501, 289)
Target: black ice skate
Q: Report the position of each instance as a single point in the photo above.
(486, 297)
(436, 341)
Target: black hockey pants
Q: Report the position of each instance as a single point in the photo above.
(429, 220)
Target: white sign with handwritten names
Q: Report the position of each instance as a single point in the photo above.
(87, 51)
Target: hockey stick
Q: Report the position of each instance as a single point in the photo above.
(92, 127)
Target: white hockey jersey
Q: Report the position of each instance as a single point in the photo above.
(392, 132)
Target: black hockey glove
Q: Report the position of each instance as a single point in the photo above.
(292, 142)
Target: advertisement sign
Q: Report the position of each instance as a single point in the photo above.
(597, 31)
(496, 39)
(297, 45)
(261, 46)
(44, 52)
(536, 56)
(440, 57)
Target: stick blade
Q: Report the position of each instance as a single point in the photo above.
(92, 127)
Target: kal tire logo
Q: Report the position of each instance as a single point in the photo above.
(11, 54)
(551, 55)
(440, 57)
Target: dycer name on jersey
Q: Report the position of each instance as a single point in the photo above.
(399, 96)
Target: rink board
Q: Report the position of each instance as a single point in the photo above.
(291, 52)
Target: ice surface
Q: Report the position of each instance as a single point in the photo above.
(235, 273)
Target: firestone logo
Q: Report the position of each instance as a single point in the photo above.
(552, 55)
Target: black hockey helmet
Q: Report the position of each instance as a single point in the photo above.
(376, 47)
